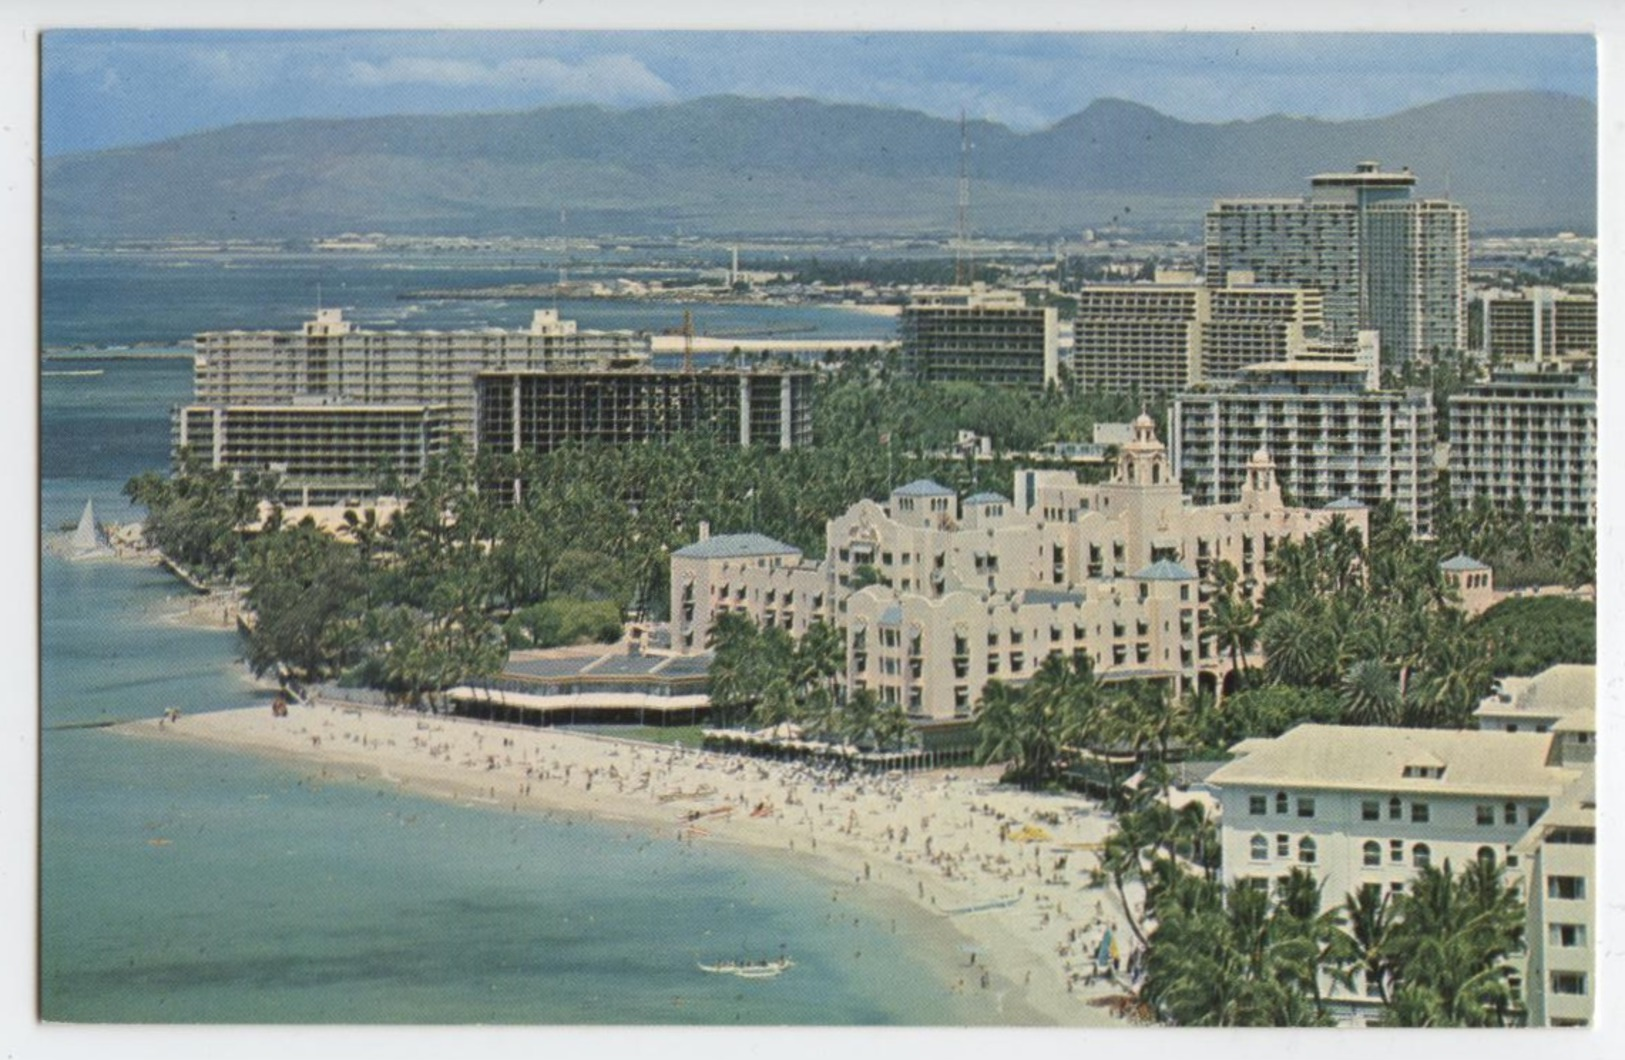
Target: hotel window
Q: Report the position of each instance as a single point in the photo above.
(1280, 802)
(1421, 856)
(1419, 812)
(1306, 806)
(1260, 848)
(1283, 846)
(1370, 810)
(1373, 854)
(1306, 850)
(1487, 856)
(1571, 887)
(1373, 984)
(1257, 805)
(1394, 808)
(1511, 811)
(1568, 936)
(1568, 983)
(1486, 815)
(1396, 851)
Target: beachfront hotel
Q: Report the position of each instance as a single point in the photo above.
(331, 407)
(1361, 807)
(936, 594)
(1527, 435)
(1333, 435)
(1161, 337)
(980, 335)
(1381, 260)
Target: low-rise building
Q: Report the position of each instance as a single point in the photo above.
(1366, 807)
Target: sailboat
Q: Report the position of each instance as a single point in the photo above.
(88, 537)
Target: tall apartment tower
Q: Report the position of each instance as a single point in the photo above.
(977, 335)
(1382, 260)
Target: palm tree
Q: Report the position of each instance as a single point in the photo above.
(1369, 694)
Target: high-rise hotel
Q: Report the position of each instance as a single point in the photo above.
(1382, 260)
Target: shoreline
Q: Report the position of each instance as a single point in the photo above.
(1024, 911)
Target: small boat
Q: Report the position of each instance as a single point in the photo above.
(750, 969)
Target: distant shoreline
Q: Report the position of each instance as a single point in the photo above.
(1027, 948)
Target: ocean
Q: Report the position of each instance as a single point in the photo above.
(182, 884)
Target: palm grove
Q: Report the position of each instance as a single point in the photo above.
(1347, 631)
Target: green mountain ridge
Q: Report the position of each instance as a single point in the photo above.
(730, 165)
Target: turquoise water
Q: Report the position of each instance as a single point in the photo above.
(281, 895)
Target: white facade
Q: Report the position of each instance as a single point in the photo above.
(1368, 806)
(1332, 438)
(1379, 258)
(1528, 436)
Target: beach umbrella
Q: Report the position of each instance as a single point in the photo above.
(1104, 954)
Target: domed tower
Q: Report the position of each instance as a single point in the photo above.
(1143, 460)
(1259, 489)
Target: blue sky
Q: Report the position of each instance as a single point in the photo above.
(106, 88)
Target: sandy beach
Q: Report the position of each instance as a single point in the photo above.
(1005, 872)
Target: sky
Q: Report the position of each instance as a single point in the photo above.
(109, 88)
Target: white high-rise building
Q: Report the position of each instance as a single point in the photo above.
(1527, 436)
(1380, 259)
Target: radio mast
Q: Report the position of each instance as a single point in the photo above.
(964, 267)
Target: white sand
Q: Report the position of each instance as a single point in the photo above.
(933, 839)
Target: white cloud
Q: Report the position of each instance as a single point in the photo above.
(609, 78)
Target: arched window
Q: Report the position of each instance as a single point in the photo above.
(1487, 856)
(1373, 853)
(1306, 850)
(1394, 808)
(1421, 856)
(1280, 802)
(1260, 848)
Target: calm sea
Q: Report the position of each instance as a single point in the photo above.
(280, 896)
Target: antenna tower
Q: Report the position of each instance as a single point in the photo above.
(964, 269)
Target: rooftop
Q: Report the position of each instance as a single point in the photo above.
(728, 546)
(987, 498)
(923, 487)
(1557, 691)
(1374, 758)
(1166, 570)
(1462, 562)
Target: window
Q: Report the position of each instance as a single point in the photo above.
(1419, 812)
(1373, 983)
(1306, 806)
(1568, 982)
(1486, 815)
(1257, 805)
(1421, 856)
(1487, 856)
(1396, 851)
(1573, 887)
(1394, 808)
(1260, 848)
(1373, 854)
(1283, 846)
(1567, 936)
(1306, 850)
(1370, 810)
(1280, 802)
(1511, 810)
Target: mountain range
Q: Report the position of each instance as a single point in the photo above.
(728, 165)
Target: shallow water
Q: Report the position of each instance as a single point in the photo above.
(187, 884)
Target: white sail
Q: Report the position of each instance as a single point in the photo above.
(88, 538)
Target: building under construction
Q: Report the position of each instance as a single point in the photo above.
(541, 411)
